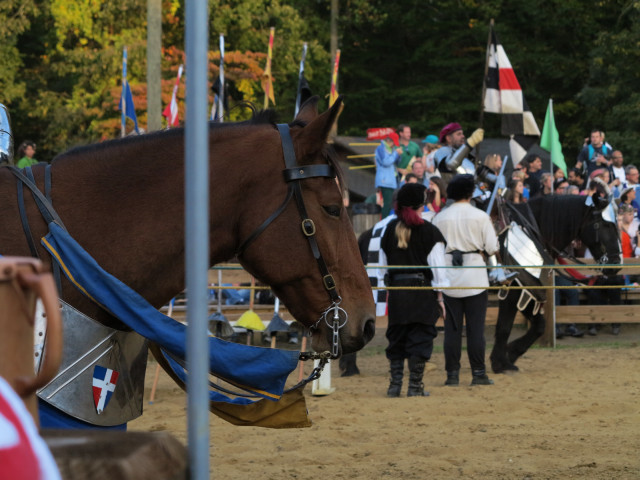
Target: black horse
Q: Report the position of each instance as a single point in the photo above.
(553, 221)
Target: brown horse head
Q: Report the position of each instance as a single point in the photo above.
(281, 255)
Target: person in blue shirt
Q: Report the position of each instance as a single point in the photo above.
(387, 155)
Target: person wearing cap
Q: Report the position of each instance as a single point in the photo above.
(410, 151)
(387, 156)
(430, 145)
(469, 233)
(408, 241)
(452, 157)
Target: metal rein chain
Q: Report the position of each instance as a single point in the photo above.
(335, 324)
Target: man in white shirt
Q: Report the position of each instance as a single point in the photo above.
(617, 174)
(468, 232)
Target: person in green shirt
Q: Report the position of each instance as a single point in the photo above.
(26, 151)
(410, 151)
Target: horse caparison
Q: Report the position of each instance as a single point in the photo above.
(123, 201)
(560, 220)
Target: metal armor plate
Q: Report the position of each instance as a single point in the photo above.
(523, 250)
(89, 347)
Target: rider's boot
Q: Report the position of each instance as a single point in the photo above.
(416, 372)
(396, 369)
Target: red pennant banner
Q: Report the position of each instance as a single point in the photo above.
(379, 133)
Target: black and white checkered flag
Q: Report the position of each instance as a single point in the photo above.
(503, 95)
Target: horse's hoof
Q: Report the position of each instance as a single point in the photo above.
(350, 373)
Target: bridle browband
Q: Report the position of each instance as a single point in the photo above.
(293, 175)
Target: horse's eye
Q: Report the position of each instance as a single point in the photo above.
(332, 210)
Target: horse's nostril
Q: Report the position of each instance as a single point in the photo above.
(369, 330)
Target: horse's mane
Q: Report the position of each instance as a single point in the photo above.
(258, 117)
(559, 217)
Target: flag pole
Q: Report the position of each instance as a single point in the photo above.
(333, 92)
(221, 93)
(484, 86)
(486, 72)
(267, 70)
(300, 76)
(123, 98)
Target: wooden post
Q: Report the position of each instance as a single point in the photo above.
(548, 339)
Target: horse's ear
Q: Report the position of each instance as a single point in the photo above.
(309, 110)
(319, 126)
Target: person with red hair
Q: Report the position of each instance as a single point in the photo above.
(415, 245)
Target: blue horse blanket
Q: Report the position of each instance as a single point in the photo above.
(260, 371)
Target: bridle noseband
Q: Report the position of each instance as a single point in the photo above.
(293, 174)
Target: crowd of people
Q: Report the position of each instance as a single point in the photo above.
(428, 195)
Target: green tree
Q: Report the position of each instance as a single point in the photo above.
(610, 97)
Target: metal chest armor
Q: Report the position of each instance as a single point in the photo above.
(91, 347)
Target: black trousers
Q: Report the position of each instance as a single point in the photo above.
(474, 310)
(410, 340)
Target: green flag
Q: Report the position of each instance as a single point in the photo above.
(550, 140)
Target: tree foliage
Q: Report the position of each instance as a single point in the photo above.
(419, 62)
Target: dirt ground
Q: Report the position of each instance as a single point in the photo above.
(571, 412)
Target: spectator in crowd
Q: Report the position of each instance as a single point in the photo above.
(515, 191)
(387, 155)
(411, 178)
(430, 145)
(534, 174)
(629, 236)
(521, 175)
(595, 154)
(560, 186)
(494, 162)
(576, 177)
(410, 151)
(546, 184)
(573, 190)
(409, 240)
(417, 168)
(436, 197)
(455, 145)
(628, 223)
(628, 197)
(616, 172)
(558, 173)
(631, 176)
(26, 151)
(468, 232)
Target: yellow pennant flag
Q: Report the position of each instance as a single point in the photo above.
(267, 81)
(333, 94)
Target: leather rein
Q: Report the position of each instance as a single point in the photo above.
(334, 316)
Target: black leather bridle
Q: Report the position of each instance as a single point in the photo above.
(293, 174)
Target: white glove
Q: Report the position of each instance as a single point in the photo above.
(476, 137)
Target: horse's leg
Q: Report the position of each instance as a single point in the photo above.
(518, 347)
(348, 365)
(507, 310)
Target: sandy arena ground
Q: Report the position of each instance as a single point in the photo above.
(572, 412)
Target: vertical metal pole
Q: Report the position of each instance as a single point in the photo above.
(197, 235)
(154, 60)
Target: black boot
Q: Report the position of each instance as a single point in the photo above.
(396, 370)
(416, 371)
(480, 378)
(453, 378)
